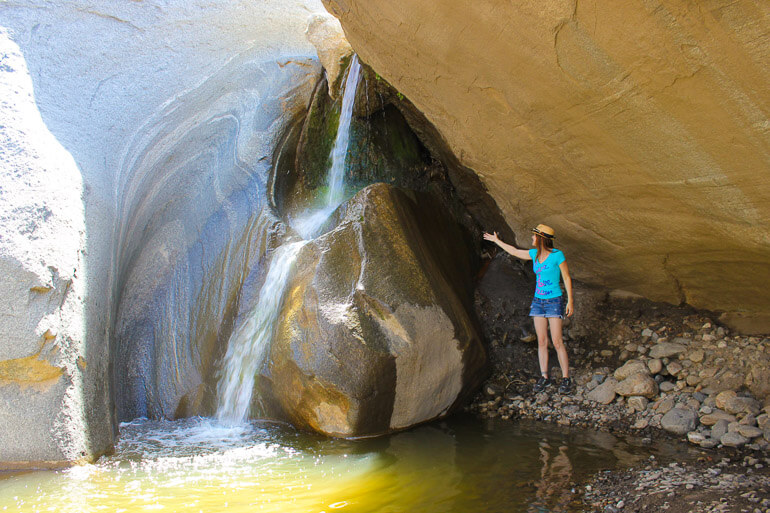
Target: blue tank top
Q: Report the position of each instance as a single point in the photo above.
(548, 274)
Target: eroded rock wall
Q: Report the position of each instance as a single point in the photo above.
(191, 234)
(638, 130)
(135, 140)
(43, 357)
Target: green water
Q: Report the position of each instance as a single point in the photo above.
(463, 465)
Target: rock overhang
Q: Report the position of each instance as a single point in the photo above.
(639, 133)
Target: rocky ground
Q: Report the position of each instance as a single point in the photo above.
(694, 381)
(659, 372)
(737, 484)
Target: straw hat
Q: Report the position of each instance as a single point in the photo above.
(544, 231)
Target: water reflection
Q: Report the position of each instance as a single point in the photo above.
(198, 465)
(554, 488)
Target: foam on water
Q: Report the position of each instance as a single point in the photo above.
(309, 223)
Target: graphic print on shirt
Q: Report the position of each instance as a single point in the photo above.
(548, 274)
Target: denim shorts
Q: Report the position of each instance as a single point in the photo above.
(553, 307)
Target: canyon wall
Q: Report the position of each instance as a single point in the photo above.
(135, 143)
(638, 130)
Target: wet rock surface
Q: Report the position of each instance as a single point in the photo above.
(376, 331)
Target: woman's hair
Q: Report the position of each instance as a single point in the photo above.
(542, 243)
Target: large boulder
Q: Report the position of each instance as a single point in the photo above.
(375, 333)
(638, 130)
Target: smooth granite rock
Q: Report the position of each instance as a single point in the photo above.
(679, 421)
(716, 416)
(718, 429)
(129, 132)
(629, 368)
(375, 334)
(604, 393)
(666, 350)
(733, 439)
(638, 384)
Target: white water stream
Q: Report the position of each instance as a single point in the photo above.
(247, 345)
(246, 349)
(308, 224)
(340, 149)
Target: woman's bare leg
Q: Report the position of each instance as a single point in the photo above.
(558, 344)
(541, 328)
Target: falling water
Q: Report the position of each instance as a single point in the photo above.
(248, 344)
(308, 224)
(340, 149)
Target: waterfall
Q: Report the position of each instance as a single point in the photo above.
(246, 349)
(308, 224)
(340, 148)
(247, 345)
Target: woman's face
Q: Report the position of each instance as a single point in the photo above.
(534, 244)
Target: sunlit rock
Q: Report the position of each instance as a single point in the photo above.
(325, 33)
(42, 281)
(135, 143)
(375, 333)
(638, 130)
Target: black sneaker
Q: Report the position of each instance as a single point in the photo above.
(542, 384)
(565, 387)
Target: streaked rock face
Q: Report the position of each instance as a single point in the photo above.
(638, 130)
(192, 232)
(375, 333)
(135, 139)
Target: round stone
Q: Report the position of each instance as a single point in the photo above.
(655, 365)
(679, 421)
(733, 439)
(749, 431)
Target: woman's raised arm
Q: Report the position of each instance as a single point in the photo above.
(518, 253)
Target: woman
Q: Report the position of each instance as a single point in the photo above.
(548, 308)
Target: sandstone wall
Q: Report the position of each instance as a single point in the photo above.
(129, 132)
(639, 130)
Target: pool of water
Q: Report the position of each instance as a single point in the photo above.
(199, 465)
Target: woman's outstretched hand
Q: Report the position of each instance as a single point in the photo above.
(491, 237)
(511, 250)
